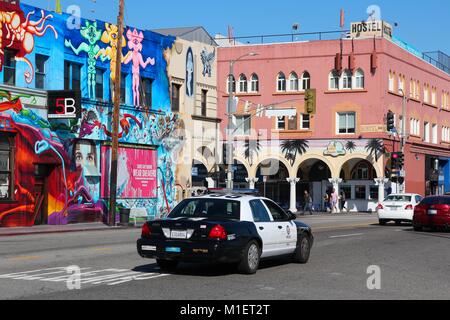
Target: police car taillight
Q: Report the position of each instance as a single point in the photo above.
(146, 231)
(218, 232)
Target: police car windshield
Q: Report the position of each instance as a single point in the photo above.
(207, 208)
(399, 198)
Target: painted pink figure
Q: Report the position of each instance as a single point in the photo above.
(135, 39)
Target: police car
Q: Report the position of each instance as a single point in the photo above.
(225, 228)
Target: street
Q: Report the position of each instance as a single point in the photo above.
(413, 266)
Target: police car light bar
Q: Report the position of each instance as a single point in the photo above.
(234, 191)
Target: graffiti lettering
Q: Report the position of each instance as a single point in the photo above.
(74, 21)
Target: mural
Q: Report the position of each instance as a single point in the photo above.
(190, 73)
(135, 39)
(207, 60)
(18, 32)
(72, 154)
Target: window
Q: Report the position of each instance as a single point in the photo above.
(99, 75)
(259, 211)
(306, 81)
(360, 192)
(72, 76)
(176, 97)
(347, 191)
(359, 79)
(9, 69)
(292, 123)
(433, 96)
(346, 123)
(243, 125)
(207, 208)
(361, 172)
(41, 70)
(277, 213)
(254, 83)
(434, 134)
(347, 80)
(446, 134)
(414, 127)
(374, 192)
(426, 93)
(243, 85)
(305, 123)
(391, 81)
(281, 82)
(401, 84)
(412, 89)
(123, 88)
(417, 90)
(204, 102)
(334, 80)
(147, 89)
(6, 169)
(231, 84)
(281, 123)
(427, 132)
(293, 82)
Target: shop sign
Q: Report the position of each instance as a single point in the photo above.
(376, 128)
(64, 105)
(370, 29)
(335, 149)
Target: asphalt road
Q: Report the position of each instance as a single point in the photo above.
(412, 265)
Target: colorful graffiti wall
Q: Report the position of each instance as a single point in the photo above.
(70, 158)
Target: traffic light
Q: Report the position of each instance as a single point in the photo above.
(401, 160)
(390, 121)
(395, 161)
(310, 101)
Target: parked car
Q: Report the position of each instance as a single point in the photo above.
(432, 212)
(229, 228)
(398, 208)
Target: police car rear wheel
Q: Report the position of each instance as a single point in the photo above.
(303, 250)
(250, 259)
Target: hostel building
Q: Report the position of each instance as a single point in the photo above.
(341, 141)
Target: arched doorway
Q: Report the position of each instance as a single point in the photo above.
(314, 177)
(240, 174)
(358, 185)
(199, 174)
(272, 183)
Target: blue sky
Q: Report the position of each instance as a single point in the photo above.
(423, 24)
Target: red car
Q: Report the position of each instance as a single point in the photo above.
(432, 212)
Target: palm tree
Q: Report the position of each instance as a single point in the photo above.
(376, 148)
(252, 149)
(350, 146)
(294, 148)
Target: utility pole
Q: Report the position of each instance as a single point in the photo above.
(404, 137)
(115, 120)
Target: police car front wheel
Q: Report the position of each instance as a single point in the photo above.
(301, 254)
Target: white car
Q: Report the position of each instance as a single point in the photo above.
(398, 208)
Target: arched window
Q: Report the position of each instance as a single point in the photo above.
(231, 87)
(334, 80)
(363, 171)
(391, 81)
(254, 83)
(243, 85)
(293, 82)
(359, 79)
(306, 81)
(281, 82)
(347, 80)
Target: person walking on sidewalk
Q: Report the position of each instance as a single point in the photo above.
(308, 203)
(334, 202)
(342, 202)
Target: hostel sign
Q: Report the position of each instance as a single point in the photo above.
(370, 29)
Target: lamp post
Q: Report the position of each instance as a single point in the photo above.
(403, 135)
(230, 135)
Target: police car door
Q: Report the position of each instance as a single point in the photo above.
(266, 228)
(286, 229)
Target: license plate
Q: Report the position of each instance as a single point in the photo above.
(432, 212)
(178, 234)
(148, 248)
(173, 250)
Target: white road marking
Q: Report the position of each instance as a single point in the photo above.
(347, 235)
(110, 277)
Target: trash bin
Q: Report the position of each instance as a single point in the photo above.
(124, 216)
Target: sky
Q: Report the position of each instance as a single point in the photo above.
(422, 24)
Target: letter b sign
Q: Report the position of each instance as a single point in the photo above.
(64, 105)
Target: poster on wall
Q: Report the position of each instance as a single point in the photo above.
(136, 173)
(64, 104)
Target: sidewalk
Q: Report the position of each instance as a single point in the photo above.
(82, 227)
(341, 214)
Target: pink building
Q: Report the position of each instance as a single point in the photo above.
(339, 143)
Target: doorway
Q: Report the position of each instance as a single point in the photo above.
(40, 193)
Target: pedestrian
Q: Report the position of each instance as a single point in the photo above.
(326, 201)
(334, 201)
(308, 201)
(342, 202)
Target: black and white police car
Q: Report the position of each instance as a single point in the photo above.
(225, 228)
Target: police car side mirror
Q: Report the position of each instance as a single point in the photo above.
(292, 216)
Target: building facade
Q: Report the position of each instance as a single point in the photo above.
(193, 80)
(54, 167)
(341, 141)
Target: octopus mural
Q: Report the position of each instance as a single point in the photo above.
(71, 150)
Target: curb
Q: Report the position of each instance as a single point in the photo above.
(63, 231)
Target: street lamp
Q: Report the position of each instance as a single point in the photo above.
(230, 157)
(403, 137)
